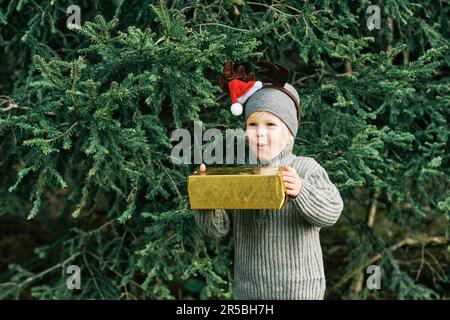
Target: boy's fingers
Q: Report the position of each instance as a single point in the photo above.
(202, 167)
(289, 179)
(289, 169)
(289, 185)
(288, 174)
(291, 192)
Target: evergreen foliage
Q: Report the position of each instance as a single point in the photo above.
(87, 114)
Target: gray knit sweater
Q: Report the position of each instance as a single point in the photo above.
(277, 252)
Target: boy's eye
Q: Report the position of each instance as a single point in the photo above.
(251, 124)
(271, 124)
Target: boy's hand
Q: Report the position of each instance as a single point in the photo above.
(202, 167)
(291, 180)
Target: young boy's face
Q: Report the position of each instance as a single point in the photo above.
(267, 135)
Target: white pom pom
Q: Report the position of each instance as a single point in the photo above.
(236, 109)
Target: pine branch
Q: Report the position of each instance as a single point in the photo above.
(10, 104)
(405, 242)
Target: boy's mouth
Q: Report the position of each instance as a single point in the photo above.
(261, 145)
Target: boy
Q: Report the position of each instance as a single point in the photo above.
(277, 252)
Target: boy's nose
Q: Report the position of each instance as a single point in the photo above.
(261, 132)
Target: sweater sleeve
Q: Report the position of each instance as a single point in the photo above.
(319, 201)
(213, 223)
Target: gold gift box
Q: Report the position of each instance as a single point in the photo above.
(237, 188)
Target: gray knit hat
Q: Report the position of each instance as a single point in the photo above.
(277, 102)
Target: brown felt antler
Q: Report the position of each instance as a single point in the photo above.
(274, 73)
(229, 74)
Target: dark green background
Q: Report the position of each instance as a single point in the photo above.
(86, 117)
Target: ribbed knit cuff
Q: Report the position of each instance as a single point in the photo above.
(213, 223)
(221, 221)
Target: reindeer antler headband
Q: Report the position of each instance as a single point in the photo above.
(241, 85)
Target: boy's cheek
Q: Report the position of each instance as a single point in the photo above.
(250, 134)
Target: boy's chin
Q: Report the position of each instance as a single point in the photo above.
(264, 157)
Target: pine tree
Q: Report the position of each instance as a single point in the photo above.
(87, 114)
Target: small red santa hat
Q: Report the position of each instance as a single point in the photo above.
(240, 91)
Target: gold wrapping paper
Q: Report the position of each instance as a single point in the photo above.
(237, 188)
